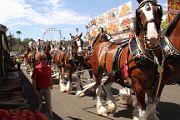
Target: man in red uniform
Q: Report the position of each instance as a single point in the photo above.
(42, 84)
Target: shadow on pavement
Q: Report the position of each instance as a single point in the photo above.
(168, 111)
(56, 117)
(126, 113)
(29, 93)
(165, 111)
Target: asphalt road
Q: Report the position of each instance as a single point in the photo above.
(67, 107)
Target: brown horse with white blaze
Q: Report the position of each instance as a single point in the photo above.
(133, 62)
(68, 61)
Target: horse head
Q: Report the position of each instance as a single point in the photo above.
(103, 36)
(148, 20)
(77, 44)
(47, 47)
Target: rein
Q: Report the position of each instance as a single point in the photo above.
(160, 70)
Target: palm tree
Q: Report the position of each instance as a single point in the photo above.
(19, 33)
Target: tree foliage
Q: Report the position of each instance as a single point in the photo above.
(17, 44)
(19, 33)
(164, 24)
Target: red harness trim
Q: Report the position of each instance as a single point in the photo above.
(126, 67)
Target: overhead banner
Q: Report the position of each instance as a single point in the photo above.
(173, 9)
(116, 21)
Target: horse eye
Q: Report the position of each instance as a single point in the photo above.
(147, 7)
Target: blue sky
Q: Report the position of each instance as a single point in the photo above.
(34, 17)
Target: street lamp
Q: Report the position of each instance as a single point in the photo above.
(77, 31)
(60, 35)
(88, 34)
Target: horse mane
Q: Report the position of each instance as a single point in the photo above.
(137, 26)
(172, 25)
(95, 39)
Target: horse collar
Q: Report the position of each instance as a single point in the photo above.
(169, 48)
(137, 51)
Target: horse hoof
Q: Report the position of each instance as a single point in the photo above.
(102, 111)
(68, 90)
(62, 89)
(136, 118)
(111, 108)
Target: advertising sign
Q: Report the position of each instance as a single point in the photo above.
(118, 22)
(173, 9)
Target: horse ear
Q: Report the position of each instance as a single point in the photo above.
(80, 35)
(160, 11)
(139, 1)
(102, 30)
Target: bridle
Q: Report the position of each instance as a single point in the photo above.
(143, 28)
(77, 42)
(146, 2)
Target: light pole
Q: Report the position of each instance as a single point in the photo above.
(88, 34)
(60, 35)
(77, 31)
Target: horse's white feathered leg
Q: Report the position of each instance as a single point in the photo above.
(151, 111)
(100, 108)
(68, 86)
(125, 96)
(62, 86)
(110, 99)
(142, 114)
(78, 84)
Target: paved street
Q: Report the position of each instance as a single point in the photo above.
(67, 107)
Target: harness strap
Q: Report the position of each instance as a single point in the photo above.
(106, 53)
(126, 66)
(117, 55)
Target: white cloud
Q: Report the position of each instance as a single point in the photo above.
(50, 12)
(11, 9)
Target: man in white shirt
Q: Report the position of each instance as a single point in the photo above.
(39, 46)
(32, 45)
